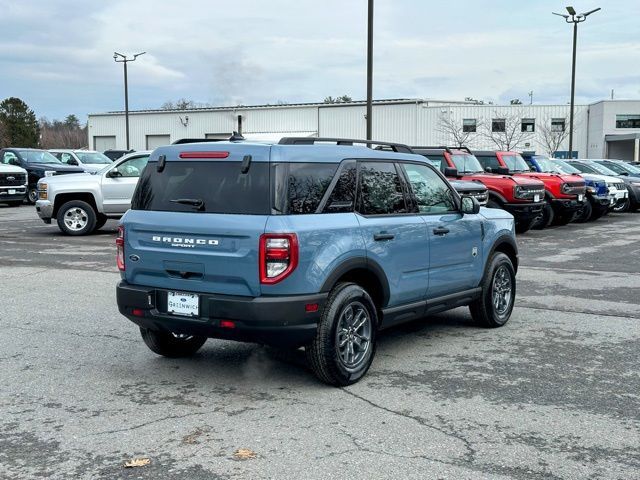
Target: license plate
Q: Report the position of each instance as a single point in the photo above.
(186, 304)
(536, 198)
(580, 198)
(12, 192)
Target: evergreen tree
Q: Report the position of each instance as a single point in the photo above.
(20, 124)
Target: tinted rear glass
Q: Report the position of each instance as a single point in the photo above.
(301, 186)
(220, 186)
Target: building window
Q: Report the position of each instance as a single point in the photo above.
(498, 125)
(557, 124)
(469, 125)
(528, 125)
(627, 121)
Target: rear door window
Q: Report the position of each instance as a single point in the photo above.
(381, 191)
(204, 187)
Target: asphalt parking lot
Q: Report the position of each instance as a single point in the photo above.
(554, 394)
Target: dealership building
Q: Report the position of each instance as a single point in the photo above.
(605, 129)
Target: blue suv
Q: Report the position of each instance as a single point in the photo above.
(314, 243)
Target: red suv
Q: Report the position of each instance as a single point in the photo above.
(564, 194)
(522, 197)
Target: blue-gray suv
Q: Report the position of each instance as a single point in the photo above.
(314, 243)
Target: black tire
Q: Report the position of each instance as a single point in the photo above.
(170, 345)
(324, 354)
(32, 196)
(493, 204)
(621, 207)
(523, 227)
(547, 217)
(585, 214)
(562, 220)
(100, 221)
(76, 218)
(483, 311)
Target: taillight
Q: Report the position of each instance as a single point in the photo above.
(278, 256)
(120, 248)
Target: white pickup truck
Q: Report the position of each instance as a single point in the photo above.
(82, 203)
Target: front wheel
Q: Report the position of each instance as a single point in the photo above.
(494, 307)
(171, 345)
(345, 342)
(525, 226)
(621, 206)
(32, 196)
(76, 218)
(586, 213)
(546, 218)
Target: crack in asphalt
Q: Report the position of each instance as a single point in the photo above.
(562, 310)
(151, 422)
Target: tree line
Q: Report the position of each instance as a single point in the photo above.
(19, 127)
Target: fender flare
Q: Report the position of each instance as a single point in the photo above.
(358, 263)
(502, 240)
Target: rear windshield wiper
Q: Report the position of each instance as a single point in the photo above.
(194, 202)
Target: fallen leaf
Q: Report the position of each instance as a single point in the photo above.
(244, 454)
(137, 462)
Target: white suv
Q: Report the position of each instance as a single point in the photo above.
(13, 184)
(89, 160)
(82, 203)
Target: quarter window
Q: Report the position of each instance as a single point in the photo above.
(342, 198)
(306, 185)
(431, 192)
(380, 189)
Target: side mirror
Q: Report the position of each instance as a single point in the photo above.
(14, 161)
(450, 172)
(469, 205)
(113, 173)
(501, 170)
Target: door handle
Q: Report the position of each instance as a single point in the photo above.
(380, 237)
(440, 231)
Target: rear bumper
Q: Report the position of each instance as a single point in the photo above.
(524, 212)
(281, 321)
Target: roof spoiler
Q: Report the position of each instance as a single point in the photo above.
(235, 137)
(395, 147)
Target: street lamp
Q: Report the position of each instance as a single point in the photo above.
(120, 58)
(574, 18)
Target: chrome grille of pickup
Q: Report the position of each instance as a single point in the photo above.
(12, 179)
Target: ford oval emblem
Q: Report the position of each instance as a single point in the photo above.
(183, 299)
(134, 258)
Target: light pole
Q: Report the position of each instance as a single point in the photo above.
(369, 69)
(120, 58)
(574, 18)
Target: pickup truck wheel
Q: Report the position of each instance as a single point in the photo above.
(76, 218)
(345, 342)
(494, 307)
(171, 345)
(547, 217)
(100, 221)
(32, 196)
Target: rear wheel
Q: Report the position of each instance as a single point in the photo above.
(345, 342)
(494, 307)
(171, 345)
(76, 218)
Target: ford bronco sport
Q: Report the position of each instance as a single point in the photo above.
(523, 198)
(305, 244)
(564, 194)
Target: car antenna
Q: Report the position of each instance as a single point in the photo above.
(236, 137)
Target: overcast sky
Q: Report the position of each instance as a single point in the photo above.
(57, 55)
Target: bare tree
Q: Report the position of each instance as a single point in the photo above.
(505, 131)
(62, 134)
(340, 99)
(182, 104)
(553, 134)
(451, 129)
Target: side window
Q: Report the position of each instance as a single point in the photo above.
(380, 189)
(343, 196)
(432, 193)
(9, 158)
(64, 157)
(306, 185)
(489, 162)
(133, 167)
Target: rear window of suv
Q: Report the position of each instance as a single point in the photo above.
(220, 187)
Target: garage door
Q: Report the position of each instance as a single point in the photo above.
(155, 141)
(102, 143)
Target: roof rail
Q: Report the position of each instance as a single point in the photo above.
(396, 147)
(434, 147)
